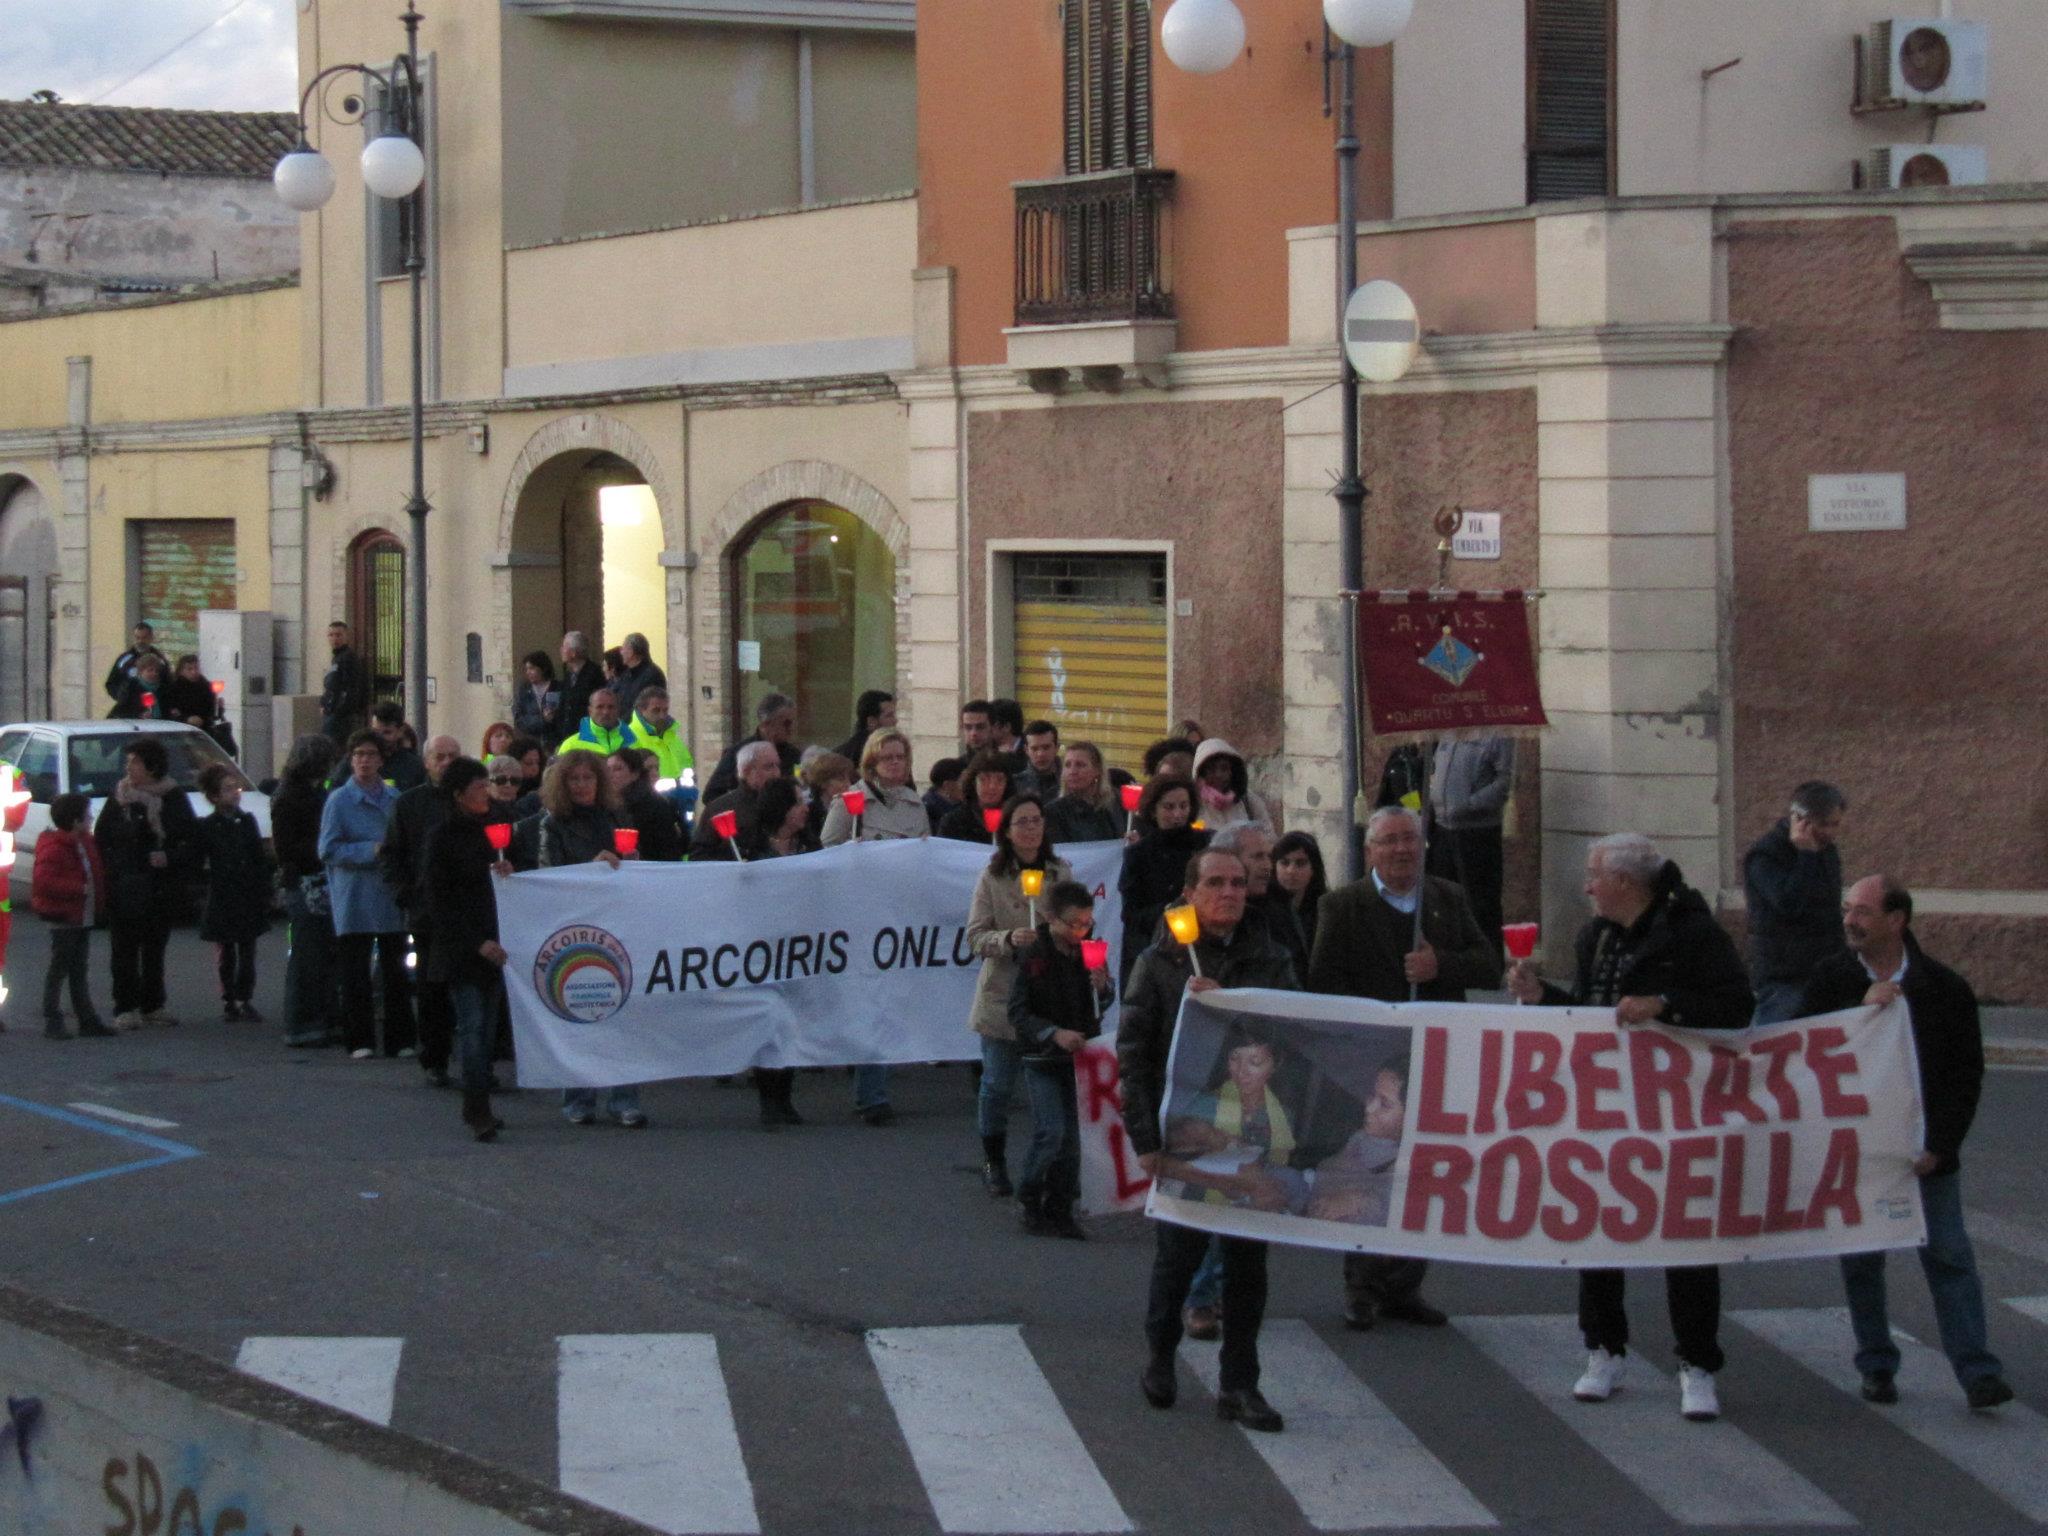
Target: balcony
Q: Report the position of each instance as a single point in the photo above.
(1094, 278)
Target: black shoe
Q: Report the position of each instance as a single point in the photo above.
(1360, 1313)
(250, 1015)
(1246, 1407)
(1878, 1387)
(1062, 1224)
(230, 1012)
(785, 1114)
(93, 1029)
(437, 1077)
(995, 1172)
(1413, 1309)
(1988, 1392)
(486, 1129)
(1159, 1383)
(770, 1120)
(878, 1116)
(55, 1030)
(1034, 1219)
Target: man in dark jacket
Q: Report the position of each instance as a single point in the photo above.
(141, 643)
(775, 723)
(757, 765)
(1884, 962)
(1231, 953)
(345, 691)
(581, 677)
(418, 815)
(1055, 1009)
(640, 671)
(873, 710)
(1792, 885)
(1655, 955)
(1367, 946)
(460, 905)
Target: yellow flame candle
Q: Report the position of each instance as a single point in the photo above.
(1032, 881)
(1182, 923)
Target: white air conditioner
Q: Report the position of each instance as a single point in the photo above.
(1937, 62)
(1928, 165)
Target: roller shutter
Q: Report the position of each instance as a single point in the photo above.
(182, 566)
(1570, 79)
(1090, 646)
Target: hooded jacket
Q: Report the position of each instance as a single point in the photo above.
(1242, 805)
(1675, 950)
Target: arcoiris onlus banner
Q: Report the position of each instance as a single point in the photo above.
(1507, 1135)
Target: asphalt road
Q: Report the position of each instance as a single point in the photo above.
(831, 1329)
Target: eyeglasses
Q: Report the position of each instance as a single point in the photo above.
(503, 779)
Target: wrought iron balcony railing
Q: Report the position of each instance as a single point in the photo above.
(1094, 247)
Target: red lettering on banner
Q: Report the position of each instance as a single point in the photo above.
(1590, 1080)
(1735, 1221)
(1837, 1191)
(1535, 1098)
(1727, 1090)
(1489, 1080)
(1624, 1180)
(1778, 1213)
(1777, 1053)
(1829, 1069)
(1660, 1065)
(1520, 1151)
(1574, 1221)
(1437, 1172)
(1103, 1095)
(1431, 1118)
(1682, 1186)
(1129, 1184)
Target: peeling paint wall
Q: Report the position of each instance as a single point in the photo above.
(138, 225)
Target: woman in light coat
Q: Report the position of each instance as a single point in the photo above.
(1002, 922)
(352, 826)
(893, 809)
(1223, 789)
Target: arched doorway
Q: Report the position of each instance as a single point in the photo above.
(813, 599)
(28, 610)
(376, 609)
(585, 553)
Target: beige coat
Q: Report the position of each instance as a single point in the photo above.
(998, 910)
(892, 813)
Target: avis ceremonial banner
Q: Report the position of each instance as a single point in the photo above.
(1550, 1136)
(1446, 666)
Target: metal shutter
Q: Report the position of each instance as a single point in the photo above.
(1569, 82)
(1108, 95)
(1090, 645)
(182, 566)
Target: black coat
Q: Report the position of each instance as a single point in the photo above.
(1675, 950)
(964, 824)
(459, 898)
(295, 827)
(123, 669)
(660, 829)
(578, 837)
(577, 687)
(1295, 930)
(344, 695)
(237, 877)
(404, 770)
(1155, 873)
(185, 700)
(1795, 906)
(1353, 957)
(1947, 1035)
(725, 778)
(1052, 991)
(707, 845)
(1070, 819)
(420, 811)
(128, 703)
(136, 887)
(530, 716)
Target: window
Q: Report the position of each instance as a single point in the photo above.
(97, 762)
(1108, 85)
(389, 220)
(1571, 99)
(376, 602)
(38, 765)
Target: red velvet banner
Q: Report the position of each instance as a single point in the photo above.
(1459, 664)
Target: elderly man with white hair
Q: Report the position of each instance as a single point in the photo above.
(757, 763)
(1655, 955)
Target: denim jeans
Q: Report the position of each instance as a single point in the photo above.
(1000, 1060)
(617, 1101)
(1207, 1288)
(871, 1086)
(309, 999)
(1052, 1168)
(476, 1022)
(1777, 1001)
(1951, 1270)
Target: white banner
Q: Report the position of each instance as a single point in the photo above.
(1549, 1136)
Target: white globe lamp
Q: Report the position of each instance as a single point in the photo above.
(393, 166)
(1202, 37)
(1368, 23)
(303, 178)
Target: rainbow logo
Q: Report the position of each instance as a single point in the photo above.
(583, 974)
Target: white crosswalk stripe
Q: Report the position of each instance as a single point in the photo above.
(2035, 1307)
(646, 1430)
(1700, 1474)
(2007, 1451)
(1344, 1457)
(990, 1440)
(356, 1375)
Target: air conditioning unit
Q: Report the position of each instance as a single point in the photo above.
(1938, 62)
(1928, 165)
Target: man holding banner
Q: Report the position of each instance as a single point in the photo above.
(1655, 954)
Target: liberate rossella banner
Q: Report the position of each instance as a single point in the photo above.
(1539, 1136)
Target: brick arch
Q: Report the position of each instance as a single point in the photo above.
(590, 432)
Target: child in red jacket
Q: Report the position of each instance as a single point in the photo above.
(68, 890)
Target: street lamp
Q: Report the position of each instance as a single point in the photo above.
(1203, 37)
(395, 169)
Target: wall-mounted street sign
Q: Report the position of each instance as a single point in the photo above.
(1855, 503)
(1477, 538)
(1382, 332)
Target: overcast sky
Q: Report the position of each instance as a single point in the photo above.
(84, 49)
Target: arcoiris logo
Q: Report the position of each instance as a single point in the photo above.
(583, 974)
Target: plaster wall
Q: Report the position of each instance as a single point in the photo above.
(140, 225)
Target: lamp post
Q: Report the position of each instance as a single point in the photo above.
(394, 168)
(1205, 37)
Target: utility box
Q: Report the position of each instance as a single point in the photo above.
(236, 651)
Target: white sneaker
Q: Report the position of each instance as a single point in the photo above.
(1603, 1376)
(128, 1022)
(361, 1053)
(1696, 1397)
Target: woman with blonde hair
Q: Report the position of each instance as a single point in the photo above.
(893, 808)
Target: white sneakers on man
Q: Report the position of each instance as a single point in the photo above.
(1697, 1399)
(1603, 1375)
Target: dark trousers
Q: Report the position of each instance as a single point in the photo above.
(309, 1007)
(435, 1006)
(138, 941)
(1693, 1293)
(1379, 1278)
(1174, 1262)
(235, 960)
(358, 1017)
(775, 1086)
(1472, 857)
(69, 950)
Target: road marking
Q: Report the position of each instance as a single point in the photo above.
(356, 1375)
(990, 1440)
(167, 1151)
(126, 1117)
(2035, 1307)
(2014, 1237)
(2006, 1451)
(1700, 1474)
(646, 1430)
(1344, 1458)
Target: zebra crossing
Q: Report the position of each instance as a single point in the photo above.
(645, 1427)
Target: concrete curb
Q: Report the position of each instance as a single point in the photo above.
(2016, 1053)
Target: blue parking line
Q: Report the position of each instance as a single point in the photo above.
(169, 1151)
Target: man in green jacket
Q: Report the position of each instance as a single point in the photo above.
(653, 729)
(599, 731)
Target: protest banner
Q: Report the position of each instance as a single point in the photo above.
(1447, 665)
(855, 954)
(1539, 1136)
